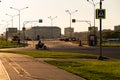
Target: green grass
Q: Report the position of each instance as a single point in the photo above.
(49, 54)
(9, 44)
(111, 44)
(91, 70)
(82, 42)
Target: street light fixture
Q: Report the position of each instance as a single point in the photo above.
(70, 13)
(19, 10)
(12, 18)
(94, 5)
(52, 24)
(52, 19)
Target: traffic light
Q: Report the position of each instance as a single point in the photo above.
(73, 20)
(23, 28)
(40, 21)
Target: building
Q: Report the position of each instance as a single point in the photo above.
(91, 29)
(81, 35)
(68, 31)
(117, 28)
(44, 32)
(10, 32)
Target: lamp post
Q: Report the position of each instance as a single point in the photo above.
(52, 24)
(70, 13)
(11, 18)
(52, 19)
(19, 10)
(94, 5)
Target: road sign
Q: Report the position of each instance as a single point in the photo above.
(40, 20)
(100, 13)
(23, 28)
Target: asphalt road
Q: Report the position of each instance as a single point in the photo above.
(61, 46)
(112, 52)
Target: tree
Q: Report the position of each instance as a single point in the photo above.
(111, 34)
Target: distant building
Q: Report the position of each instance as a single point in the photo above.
(68, 31)
(117, 28)
(91, 29)
(45, 32)
(10, 32)
(81, 35)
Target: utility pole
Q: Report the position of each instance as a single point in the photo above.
(70, 13)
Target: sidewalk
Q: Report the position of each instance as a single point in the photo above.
(32, 69)
(3, 72)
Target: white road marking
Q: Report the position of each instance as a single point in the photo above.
(14, 65)
(4, 72)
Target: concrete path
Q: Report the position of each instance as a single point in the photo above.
(3, 73)
(22, 67)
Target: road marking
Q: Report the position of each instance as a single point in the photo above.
(5, 71)
(16, 67)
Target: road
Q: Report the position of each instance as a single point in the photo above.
(112, 52)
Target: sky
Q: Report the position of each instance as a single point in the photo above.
(42, 9)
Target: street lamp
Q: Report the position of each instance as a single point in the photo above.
(52, 19)
(70, 13)
(19, 16)
(11, 19)
(94, 5)
(52, 24)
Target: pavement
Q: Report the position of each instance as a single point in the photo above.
(3, 73)
(22, 67)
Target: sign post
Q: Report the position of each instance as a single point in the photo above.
(100, 14)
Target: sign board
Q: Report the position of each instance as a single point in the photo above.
(12, 30)
(100, 13)
(40, 20)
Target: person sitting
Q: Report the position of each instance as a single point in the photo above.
(40, 44)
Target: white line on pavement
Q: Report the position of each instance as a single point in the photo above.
(4, 73)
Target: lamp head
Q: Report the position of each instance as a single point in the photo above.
(11, 7)
(76, 10)
(67, 10)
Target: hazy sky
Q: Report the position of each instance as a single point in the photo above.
(42, 9)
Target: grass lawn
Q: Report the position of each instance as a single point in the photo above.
(10, 44)
(91, 70)
(49, 54)
(111, 44)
